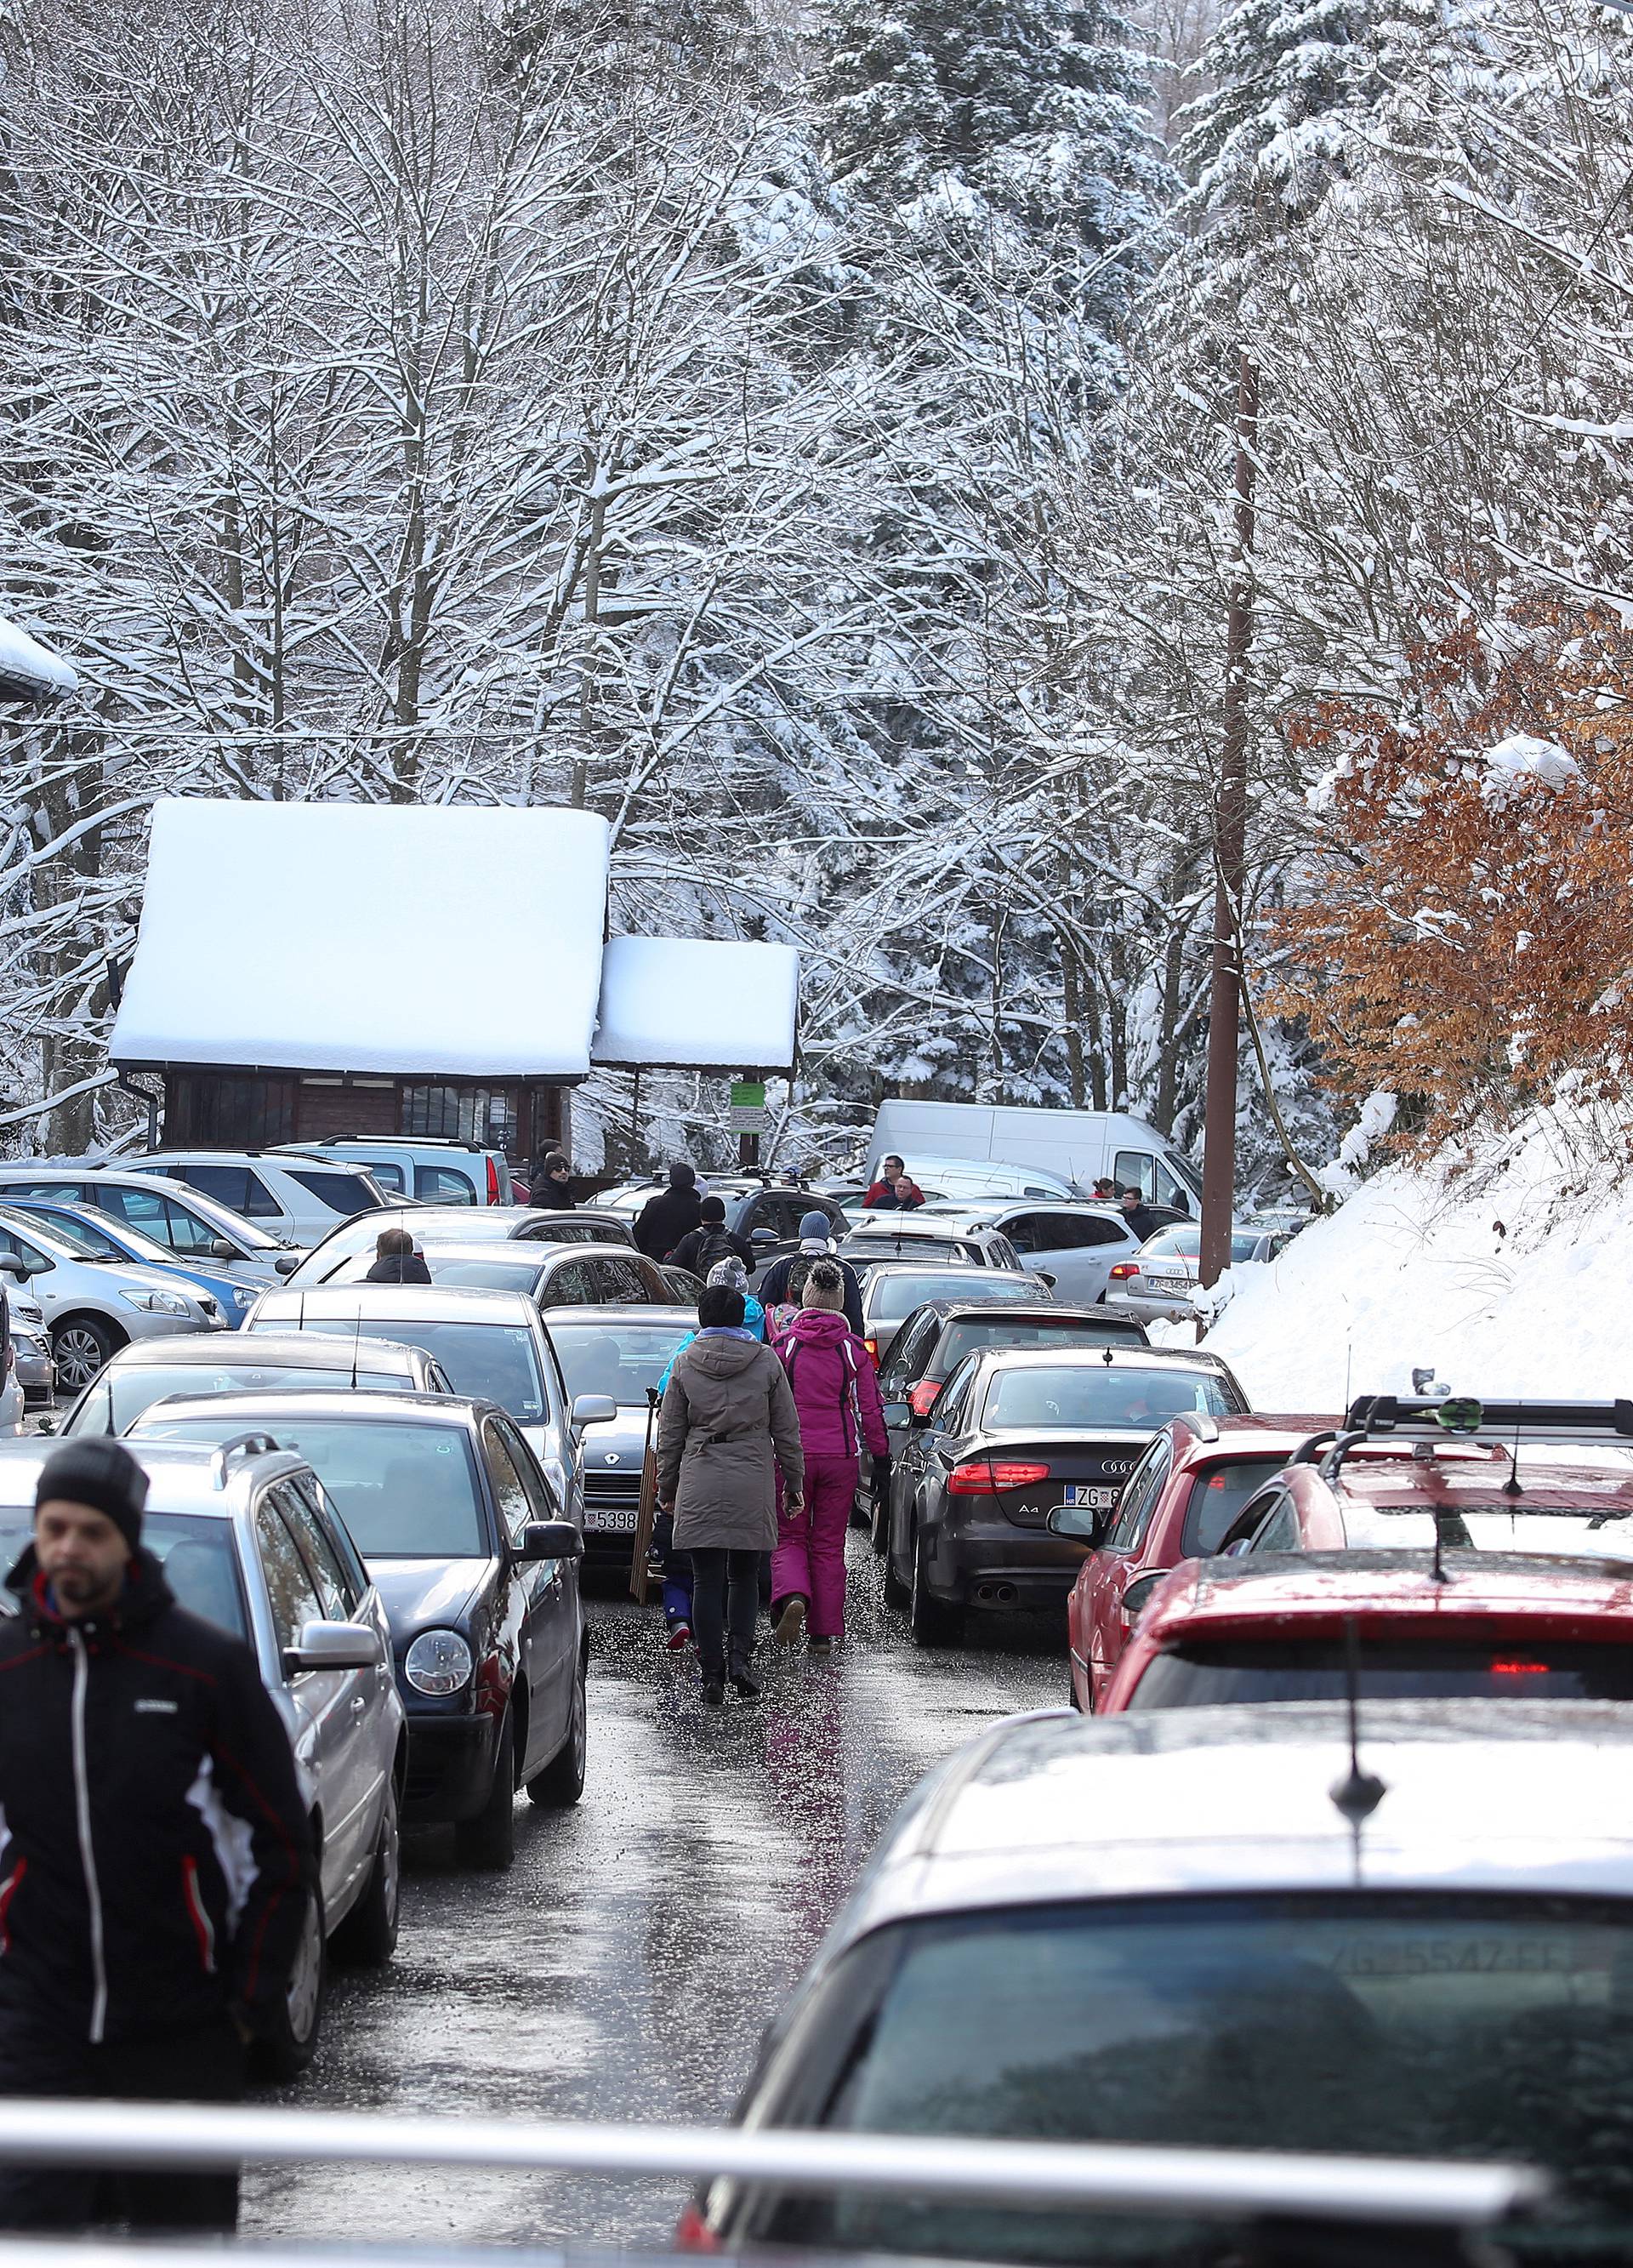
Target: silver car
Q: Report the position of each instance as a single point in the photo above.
(297, 1362)
(328, 1263)
(892, 1291)
(1209, 1927)
(491, 1346)
(1077, 1245)
(913, 1236)
(299, 1197)
(250, 1541)
(1158, 1282)
(619, 1353)
(92, 1307)
(33, 1365)
(554, 1274)
(191, 1224)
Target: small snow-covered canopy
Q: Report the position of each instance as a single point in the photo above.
(447, 940)
(695, 1004)
(30, 671)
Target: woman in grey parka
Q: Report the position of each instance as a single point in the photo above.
(727, 1423)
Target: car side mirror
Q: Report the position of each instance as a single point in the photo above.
(285, 1263)
(46, 1426)
(763, 1236)
(1078, 1521)
(550, 1539)
(11, 1264)
(899, 1413)
(1044, 1276)
(593, 1409)
(335, 1645)
(1239, 1549)
(218, 1249)
(1138, 1596)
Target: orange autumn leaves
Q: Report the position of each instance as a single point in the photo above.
(1464, 937)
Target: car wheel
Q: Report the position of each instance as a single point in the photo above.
(489, 1839)
(897, 1592)
(81, 1346)
(368, 1935)
(930, 1622)
(285, 2051)
(562, 1780)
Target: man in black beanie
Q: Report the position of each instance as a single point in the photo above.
(156, 1859)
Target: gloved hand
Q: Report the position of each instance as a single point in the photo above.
(881, 1480)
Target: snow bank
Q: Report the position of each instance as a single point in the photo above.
(29, 669)
(1511, 1276)
(447, 939)
(698, 1003)
(1522, 756)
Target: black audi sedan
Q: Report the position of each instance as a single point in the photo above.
(1016, 1433)
(478, 1572)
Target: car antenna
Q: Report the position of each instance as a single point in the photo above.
(1358, 1794)
(1511, 1486)
(357, 1345)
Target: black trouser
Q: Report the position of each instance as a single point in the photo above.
(725, 1599)
(201, 2065)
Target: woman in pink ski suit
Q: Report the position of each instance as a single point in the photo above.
(836, 1394)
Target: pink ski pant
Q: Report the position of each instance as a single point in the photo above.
(810, 1554)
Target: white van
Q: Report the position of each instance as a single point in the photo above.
(1078, 1145)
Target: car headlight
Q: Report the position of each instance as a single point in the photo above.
(239, 1297)
(156, 1303)
(438, 1661)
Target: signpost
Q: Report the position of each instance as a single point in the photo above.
(748, 1118)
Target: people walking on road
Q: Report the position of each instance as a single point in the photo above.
(886, 1195)
(783, 1283)
(156, 1860)
(1143, 1222)
(677, 1565)
(672, 1214)
(727, 1426)
(396, 1261)
(835, 1393)
(550, 1180)
(702, 1248)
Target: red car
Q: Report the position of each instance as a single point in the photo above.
(1501, 1626)
(1181, 1498)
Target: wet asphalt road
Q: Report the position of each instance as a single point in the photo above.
(627, 1965)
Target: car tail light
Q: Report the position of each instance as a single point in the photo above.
(984, 1478)
(922, 1398)
(1123, 1270)
(693, 2233)
(1519, 1669)
(871, 1345)
(493, 1182)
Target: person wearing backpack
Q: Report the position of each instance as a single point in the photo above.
(703, 1247)
(836, 1396)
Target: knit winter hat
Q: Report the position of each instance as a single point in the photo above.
(815, 1229)
(730, 1272)
(682, 1176)
(825, 1288)
(97, 1470)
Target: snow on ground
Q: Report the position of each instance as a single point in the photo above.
(1511, 1275)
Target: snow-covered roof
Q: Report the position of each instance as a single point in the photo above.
(451, 941)
(698, 1004)
(30, 671)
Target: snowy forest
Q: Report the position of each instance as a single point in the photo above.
(811, 436)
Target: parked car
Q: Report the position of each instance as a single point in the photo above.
(892, 1289)
(33, 1365)
(12, 1406)
(619, 1354)
(880, 1236)
(92, 1307)
(299, 1194)
(100, 1236)
(140, 1375)
(1015, 1434)
(1266, 1631)
(1078, 1146)
(553, 1275)
(249, 1538)
(1159, 1282)
(936, 1337)
(448, 1225)
(478, 1571)
(491, 1346)
(432, 1171)
(1180, 1503)
(973, 1180)
(192, 1225)
(1164, 1928)
(1080, 1246)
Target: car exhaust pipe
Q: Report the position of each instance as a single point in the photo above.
(994, 1595)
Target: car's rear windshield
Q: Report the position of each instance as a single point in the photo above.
(1092, 1395)
(622, 1359)
(1186, 1243)
(404, 1492)
(1217, 1495)
(342, 1193)
(892, 1297)
(919, 1247)
(496, 1362)
(971, 1332)
(1312, 1669)
(114, 1404)
(1426, 2025)
(197, 1556)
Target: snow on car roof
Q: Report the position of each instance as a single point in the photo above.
(28, 669)
(379, 941)
(697, 1003)
(1298, 1587)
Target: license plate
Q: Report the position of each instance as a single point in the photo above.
(1090, 1499)
(1171, 1284)
(619, 1523)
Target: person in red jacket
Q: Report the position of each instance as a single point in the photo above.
(895, 1191)
(836, 1395)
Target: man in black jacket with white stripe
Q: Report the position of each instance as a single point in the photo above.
(156, 1859)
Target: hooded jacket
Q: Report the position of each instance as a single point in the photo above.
(785, 1279)
(665, 1219)
(400, 1268)
(834, 1385)
(727, 1421)
(155, 1853)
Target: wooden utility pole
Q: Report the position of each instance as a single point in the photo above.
(1230, 852)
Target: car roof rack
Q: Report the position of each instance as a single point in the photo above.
(241, 1445)
(1461, 1417)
